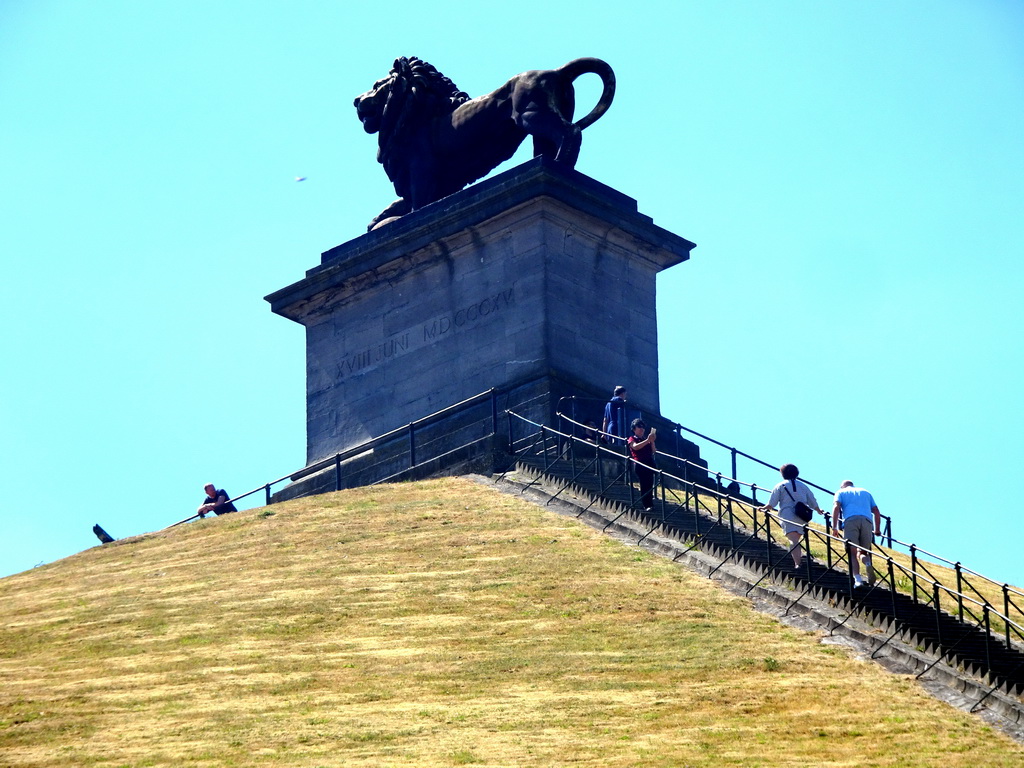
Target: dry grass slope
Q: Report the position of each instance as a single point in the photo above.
(437, 623)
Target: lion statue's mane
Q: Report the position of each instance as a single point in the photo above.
(433, 139)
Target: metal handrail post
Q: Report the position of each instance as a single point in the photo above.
(628, 479)
(828, 540)
(959, 590)
(938, 612)
(412, 444)
(1006, 611)
(732, 523)
(988, 634)
(913, 569)
(888, 531)
(734, 475)
(511, 441)
(267, 489)
(689, 486)
(544, 446)
(718, 487)
(892, 586)
(337, 471)
(807, 548)
(661, 482)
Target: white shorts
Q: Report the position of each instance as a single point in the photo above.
(792, 523)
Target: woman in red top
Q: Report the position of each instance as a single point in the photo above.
(642, 450)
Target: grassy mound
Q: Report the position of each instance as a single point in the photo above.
(436, 623)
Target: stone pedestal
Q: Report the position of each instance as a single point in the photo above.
(539, 281)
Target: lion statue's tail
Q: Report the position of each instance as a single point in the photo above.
(590, 65)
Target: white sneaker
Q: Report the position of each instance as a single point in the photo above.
(858, 581)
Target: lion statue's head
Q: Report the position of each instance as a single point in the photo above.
(412, 84)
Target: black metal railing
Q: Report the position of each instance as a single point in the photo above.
(410, 446)
(735, 454)
(969, 582)
(741, 523)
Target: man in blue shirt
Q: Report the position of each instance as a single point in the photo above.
(615, 414)
(861, 523)
(217, 501)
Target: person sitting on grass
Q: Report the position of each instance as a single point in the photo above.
(217, 501)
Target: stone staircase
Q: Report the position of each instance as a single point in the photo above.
(939, 634)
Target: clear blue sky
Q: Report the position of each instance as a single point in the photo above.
(852, 173)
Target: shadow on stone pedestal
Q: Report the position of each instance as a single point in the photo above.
(539, 282)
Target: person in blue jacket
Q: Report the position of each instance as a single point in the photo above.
(615, 415)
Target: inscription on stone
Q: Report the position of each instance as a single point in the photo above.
(370, 356)
(468, 315)
(406, 341)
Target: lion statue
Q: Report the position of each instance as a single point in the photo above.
(433, 139)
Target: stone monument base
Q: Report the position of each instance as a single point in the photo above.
(539, 282)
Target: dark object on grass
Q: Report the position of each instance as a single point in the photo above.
(102, 535)
(434, 140)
